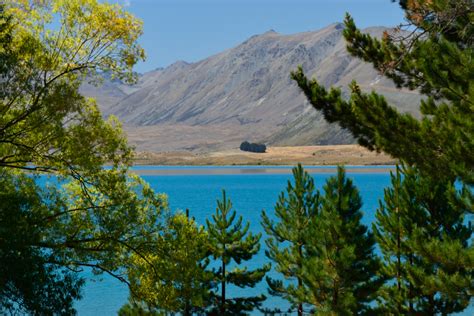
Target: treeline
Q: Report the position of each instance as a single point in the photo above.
(253, 147)
(324, 255)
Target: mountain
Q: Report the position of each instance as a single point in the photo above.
(243, 93)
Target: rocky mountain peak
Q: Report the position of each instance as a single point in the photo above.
(178, 64)
(339, 26)
(270, 32)
(244, 93)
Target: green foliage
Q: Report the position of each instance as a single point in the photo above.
(423, 237)
(340, 270)
(253, 147)
(48, 233)
(229, 242)
(321, 244)
(427, 246)
(438, 62)
(287, 243)
(88, 217)
(136, 309)
(45, 124)
(170, 276)
(30, 279)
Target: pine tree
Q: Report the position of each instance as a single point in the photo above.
(287, 242)
(389, 232)
(340, 272)
(437, 61)
(422, 235)
(230, 241)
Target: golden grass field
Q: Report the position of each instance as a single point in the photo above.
(307, 155)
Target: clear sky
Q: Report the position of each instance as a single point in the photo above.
(191, 30)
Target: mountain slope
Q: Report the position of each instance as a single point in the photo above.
(245, 93)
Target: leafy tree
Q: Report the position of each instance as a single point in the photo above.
(253, 147)
(45, 123)
(137, 309)
(170, 276)
(422, 234)
(437, 61)
(340, 269)
(89, 216)
(287, 243)
(47, 234)
(53, 289)
(231, 241)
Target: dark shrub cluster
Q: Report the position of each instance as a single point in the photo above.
(255, 148)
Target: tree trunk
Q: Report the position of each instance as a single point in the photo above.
(399, 260)
(410, 289)
(186, 311)
(300, 282)
(431, 308)
(223, 288)
(300, 309)
(186, 307)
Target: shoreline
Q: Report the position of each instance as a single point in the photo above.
(255, 170)
(326, 155)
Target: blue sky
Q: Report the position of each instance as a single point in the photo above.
(191, 30)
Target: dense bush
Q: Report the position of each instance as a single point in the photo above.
(255, 148)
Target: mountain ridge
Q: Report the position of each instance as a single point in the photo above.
(245, 93)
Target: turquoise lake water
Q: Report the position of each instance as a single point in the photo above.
(250, 194)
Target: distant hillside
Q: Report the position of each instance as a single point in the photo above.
(244, 93)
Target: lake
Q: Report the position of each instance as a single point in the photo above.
(251, 189)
